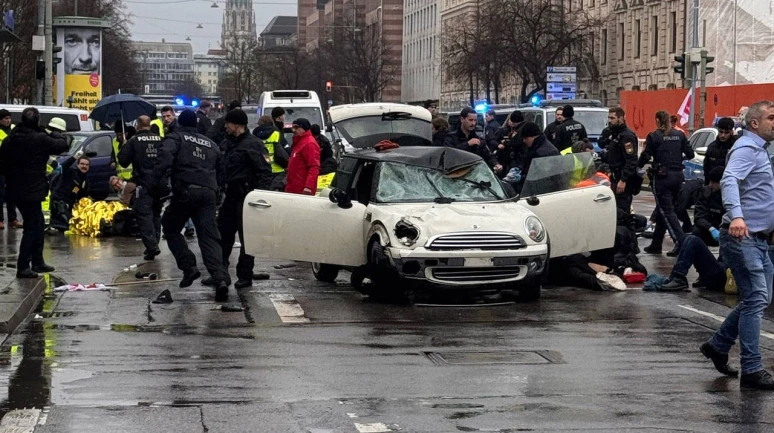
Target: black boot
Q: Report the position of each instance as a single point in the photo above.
(652, 249)
(209, 282)
(720, 360)
(221, 292)
(243, 283)
(26, 273)
(43, 269)
(759, 380)
(189, 277)
(151, 255)
(674, 252)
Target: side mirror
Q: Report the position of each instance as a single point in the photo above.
(340, 197)
(90, 153)
(329, 128)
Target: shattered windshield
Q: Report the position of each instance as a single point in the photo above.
(401, 183)
(558, 173)
(402, 128)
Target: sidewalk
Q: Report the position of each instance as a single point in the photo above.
(18, 297)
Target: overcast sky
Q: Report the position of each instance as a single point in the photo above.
(174, 20)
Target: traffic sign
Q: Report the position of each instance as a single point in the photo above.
(559, 96)
(561, 78)
(561, 69)
(561, 87)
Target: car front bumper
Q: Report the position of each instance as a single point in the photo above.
(469, 267)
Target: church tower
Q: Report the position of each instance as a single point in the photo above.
(238, 23)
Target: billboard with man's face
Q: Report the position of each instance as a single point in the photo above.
(79, 74)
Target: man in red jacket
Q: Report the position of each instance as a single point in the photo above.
(304, 164)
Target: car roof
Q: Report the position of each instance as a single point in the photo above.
(339, 113)
(441, 158)
(42, 108)
(90, 133)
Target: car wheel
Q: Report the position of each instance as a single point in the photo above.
(326, 273)
(387, 285)
(529, 292)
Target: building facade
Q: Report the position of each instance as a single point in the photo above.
(238, 23)
(421, 67)
(279, 33)
(208, 69)
(164, 65)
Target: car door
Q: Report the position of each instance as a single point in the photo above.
(100, 170)
(303, 228)
(577, 219)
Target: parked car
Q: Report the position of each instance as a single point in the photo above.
(99, 147)
(75, 120)
(700, 140)
(433, 216)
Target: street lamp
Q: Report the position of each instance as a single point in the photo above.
(214, 5)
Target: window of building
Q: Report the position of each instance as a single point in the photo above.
(622, 39)
(654, 36)
(673, 36)
(604, 46)
(638, 36)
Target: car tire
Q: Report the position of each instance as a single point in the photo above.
(529, 292)
(324, 272)
(387, 285)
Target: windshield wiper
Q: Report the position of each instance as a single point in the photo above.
(441, 198)
(481, 184)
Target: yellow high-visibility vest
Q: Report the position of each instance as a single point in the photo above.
(122, 172)
(270, 142)
(4, 135)
(159, 124)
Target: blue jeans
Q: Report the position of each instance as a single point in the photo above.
(694, 252)
(753, 272)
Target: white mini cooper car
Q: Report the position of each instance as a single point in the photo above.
(437, 216)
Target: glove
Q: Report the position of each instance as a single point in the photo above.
(715, 233)
(514, 175)
(78, 154)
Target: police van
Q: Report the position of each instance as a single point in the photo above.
(297, 104)
(589, 112)
(76, 120)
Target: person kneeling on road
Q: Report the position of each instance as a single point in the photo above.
(196, 166)
(708, 215)
(712, 271)
(71, 185)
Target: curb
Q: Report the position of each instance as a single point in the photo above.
(23, 310)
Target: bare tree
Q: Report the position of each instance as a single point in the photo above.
(521, 38)
(359, 58)
(190, 88)
(287, 68)
(241, 63)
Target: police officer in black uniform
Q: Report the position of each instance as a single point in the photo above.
(570, 130)
(197, 173)
(247, 167)
(141, 152)
(621, 155)
(668, 147)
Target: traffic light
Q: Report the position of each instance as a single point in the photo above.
(55, 60)
(328, 86)
(683, 63)
(707, 60)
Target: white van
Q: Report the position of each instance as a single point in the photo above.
(76, 120)
(297, 104)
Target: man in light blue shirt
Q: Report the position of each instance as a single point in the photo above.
(748, 198)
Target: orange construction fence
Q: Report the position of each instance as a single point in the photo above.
(641, 106)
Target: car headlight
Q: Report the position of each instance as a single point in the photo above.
(534, 229)
(406, 232)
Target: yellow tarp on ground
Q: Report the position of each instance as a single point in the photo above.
(88, 215)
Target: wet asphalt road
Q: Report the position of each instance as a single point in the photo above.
(312, 357)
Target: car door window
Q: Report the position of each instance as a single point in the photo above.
(102, 145)
(699, 140)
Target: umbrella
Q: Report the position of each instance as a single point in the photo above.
(121, 106)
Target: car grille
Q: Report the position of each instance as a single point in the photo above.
(480, 241)
(468, 275)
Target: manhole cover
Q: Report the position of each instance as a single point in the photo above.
(525, 357)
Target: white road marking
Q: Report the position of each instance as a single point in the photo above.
(376, 427)
(720, 319)
(20, 421)
(288, 308)
(352, 415)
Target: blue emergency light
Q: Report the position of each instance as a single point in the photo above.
(179, 101)
(194, 103)
(480, 108)
(535, 100)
